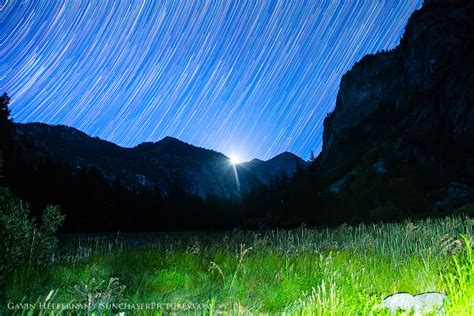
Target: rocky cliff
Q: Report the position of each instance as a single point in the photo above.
(407, 115)
(429, 76)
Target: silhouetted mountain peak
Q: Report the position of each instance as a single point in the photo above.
(171, 140)
(286, 156)
(265, 171)
(166, 141)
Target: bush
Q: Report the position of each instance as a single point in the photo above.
(23, 242)
(388, 211)
(467, 209)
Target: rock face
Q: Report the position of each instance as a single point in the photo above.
(157, 165)
(458, 194)
(405, 117)
(429, 77)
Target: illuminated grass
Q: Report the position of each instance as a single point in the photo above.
(348, 270)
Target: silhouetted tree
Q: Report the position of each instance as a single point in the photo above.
(6, 125)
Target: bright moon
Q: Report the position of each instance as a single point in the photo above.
(234, 160)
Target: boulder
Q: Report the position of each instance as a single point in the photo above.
(457, 195)
(429, 302)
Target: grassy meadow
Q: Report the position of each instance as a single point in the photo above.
(341, 271)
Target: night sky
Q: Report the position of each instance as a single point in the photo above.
(247, 78)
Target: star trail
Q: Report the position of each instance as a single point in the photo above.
(247, 78)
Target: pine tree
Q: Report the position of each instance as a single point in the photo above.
(311, 156)
(6, 125)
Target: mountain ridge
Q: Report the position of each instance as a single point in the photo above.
(162, 164)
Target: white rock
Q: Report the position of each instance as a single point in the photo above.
(404, 301)
(419, 304)
(430, 301)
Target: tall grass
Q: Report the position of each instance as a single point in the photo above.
(342, 271)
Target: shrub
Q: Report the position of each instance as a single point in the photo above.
(467, 209)
(388, 211)
(98, 289)
(23, 242)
